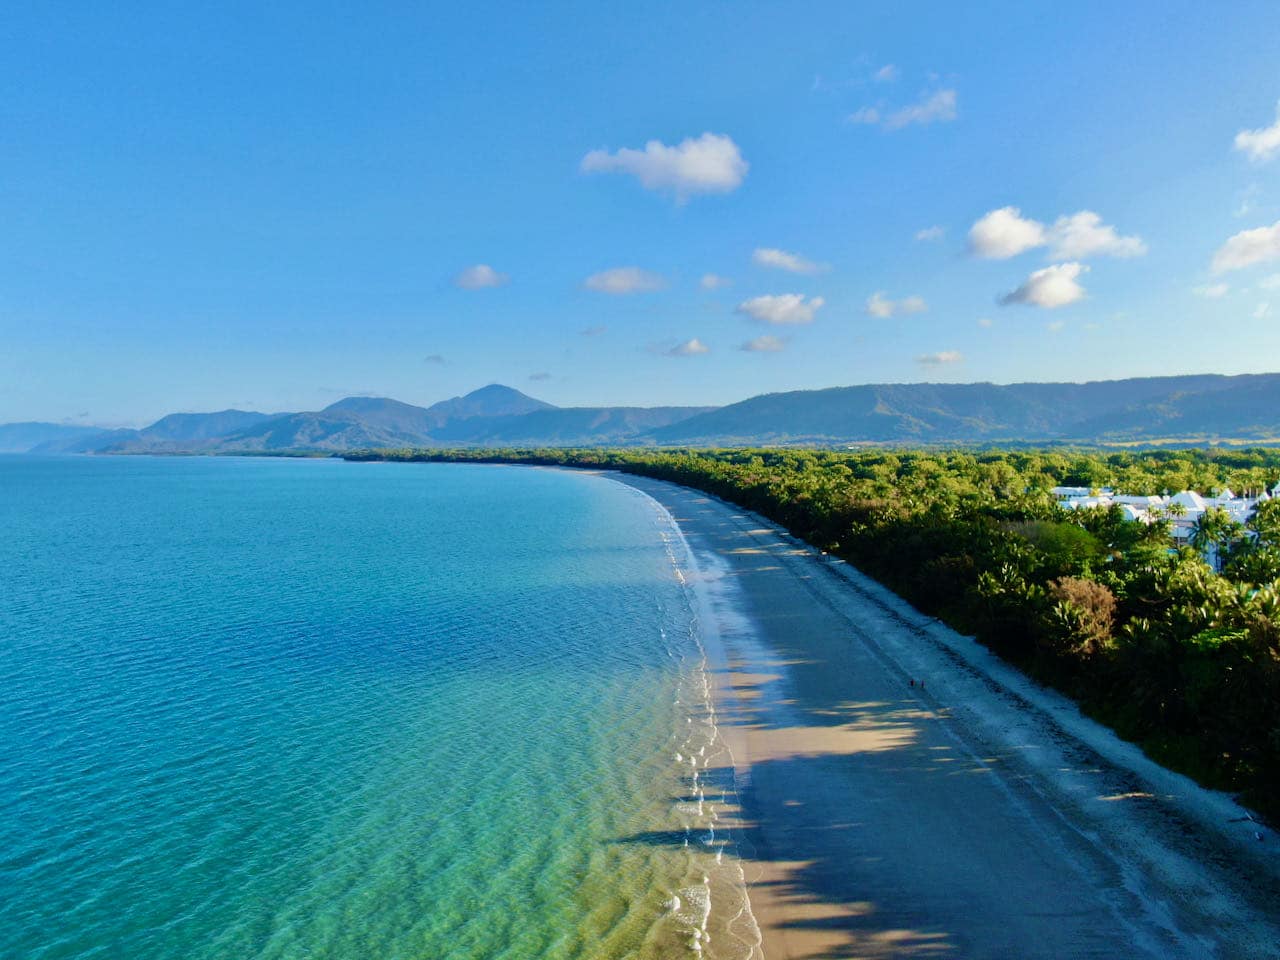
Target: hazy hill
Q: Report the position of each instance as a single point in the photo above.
(372, 422)
(202, 426)
(377, 422)
(26, 437)
(1249, 408)
(98, 442)
(324, 430)
(1151, 407)
(564, 426)
(182, 431)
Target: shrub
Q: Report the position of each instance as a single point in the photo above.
(1089, 608)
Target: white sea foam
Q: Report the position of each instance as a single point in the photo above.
(730, 931)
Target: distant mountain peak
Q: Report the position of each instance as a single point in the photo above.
(494, 400)
(360, 404)
(22, 437)
(499, 392)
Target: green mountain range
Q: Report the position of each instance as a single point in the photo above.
(1141, 410)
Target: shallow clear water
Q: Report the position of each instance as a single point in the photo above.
(287, 709)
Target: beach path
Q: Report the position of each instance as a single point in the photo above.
(904, 794)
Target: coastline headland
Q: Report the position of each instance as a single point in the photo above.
(905, 793)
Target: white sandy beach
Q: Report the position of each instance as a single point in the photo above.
(976, 816)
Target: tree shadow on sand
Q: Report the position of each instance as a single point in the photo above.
(878, 855)
(867, 828)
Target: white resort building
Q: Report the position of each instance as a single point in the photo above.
(1182, 510)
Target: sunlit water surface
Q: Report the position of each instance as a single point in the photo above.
(308, 709)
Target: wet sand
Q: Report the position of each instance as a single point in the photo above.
(971, 815)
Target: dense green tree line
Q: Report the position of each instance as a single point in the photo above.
(1148, 638)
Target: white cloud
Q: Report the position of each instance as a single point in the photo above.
(711, 163)
(781, 308)
(940, 358)
(878, 305)
(1055, 326)
(984, 322)
(1247, 248)
(886, 74)
(765, 344)
(1051, 287)
(1270, 283)
(1261, 311)
(1083, 235)
(621, 280)
(690, 348)
(479, 276)
(1004, 233)
(1211, 291)
(930, 233)
(713, 281)
(1262, 144)
(782, 260)
(937, 107)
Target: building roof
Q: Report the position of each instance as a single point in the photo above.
(1189, 499)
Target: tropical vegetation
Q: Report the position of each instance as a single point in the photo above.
(1149, 638)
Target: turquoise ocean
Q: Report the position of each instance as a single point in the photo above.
(255, 708)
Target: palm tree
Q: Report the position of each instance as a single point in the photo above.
(1213, 535)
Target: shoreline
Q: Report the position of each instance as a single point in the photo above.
(980, 815)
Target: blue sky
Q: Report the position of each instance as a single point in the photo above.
(276, 208)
